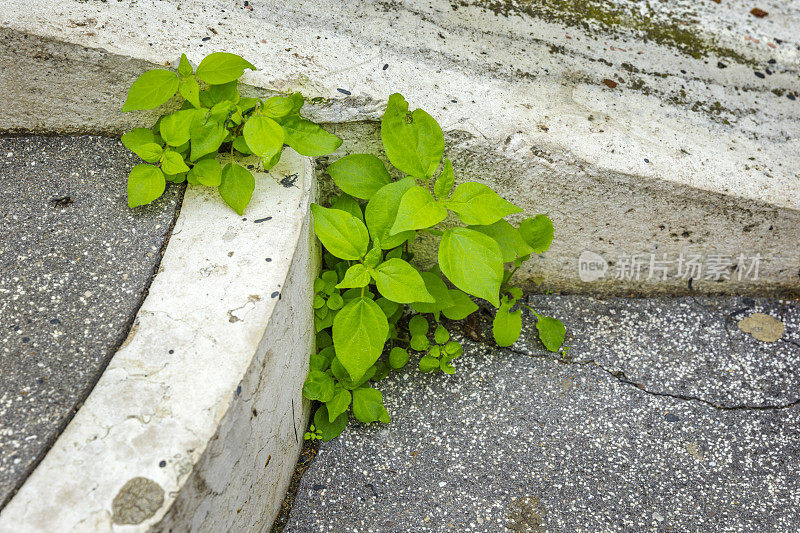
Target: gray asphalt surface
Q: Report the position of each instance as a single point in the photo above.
(75, 262)
(667, 417)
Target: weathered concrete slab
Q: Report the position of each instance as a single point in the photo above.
(524, 442)
(196, 422)
(75, 262)
(659, 128)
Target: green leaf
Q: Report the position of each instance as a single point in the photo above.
(390, 309)
(428, 364)
(308, 138)
(419, 343)
(508, 238)
(322, 360)
(551, 332)
(176, 178)
(418, 326)
(324, 340)
(318, 386)
(381, 371)
(222, 67)
(327, 429)
(374, 256)
(475, 203)
(341, 233)
(272, 161)
(359, 175)
(382, 210)
(136, 138)
(236, 186)
(398, 358)
(221, 112)
(348, 204)
(206, 135)
(207, 172)
(444, 184)
(355, 277)
(150, 152)
(190, 89)
(240, 145)
(462, 307)
(246, 104)
(537, 232)
(453, 349)
(418, 209)
(436, 288)
(400, 282)
(344, 377)
(224, 92)
(264, 136)
(368, 406)
(338, 404)
(184, 67)
(172, 163)
(282, 106)
(335, 302)
(151, 89)
(472, 262)
(413, 142)
(145, 184)
(359, 333)
(507, 324)
(441, 335)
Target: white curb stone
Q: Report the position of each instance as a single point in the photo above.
(198, 420)
(615, 119)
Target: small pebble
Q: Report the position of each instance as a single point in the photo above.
(385, 66)
(344, 91)
(720, 64)
(760, 75)
(790, 96)
(206, 39)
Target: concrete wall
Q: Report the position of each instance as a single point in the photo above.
(660, 128)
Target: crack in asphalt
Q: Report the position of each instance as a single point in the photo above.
(622, 378)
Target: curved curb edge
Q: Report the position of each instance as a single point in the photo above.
(198, 420)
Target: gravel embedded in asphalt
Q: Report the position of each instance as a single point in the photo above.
(517, 440)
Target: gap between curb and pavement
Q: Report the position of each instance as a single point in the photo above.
(198, 420)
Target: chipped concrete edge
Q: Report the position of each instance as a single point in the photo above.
(198, 420)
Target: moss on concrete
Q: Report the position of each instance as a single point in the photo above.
(674, 30)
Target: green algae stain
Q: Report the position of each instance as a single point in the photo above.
(676, 32)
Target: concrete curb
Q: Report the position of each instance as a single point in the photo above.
(198, 421)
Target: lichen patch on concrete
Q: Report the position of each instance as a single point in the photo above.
(762, 327)
(137, 500)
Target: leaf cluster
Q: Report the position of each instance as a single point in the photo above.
(369, 284)
(198, 143)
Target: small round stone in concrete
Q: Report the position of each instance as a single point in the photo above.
(137, 500)
(762, 327)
